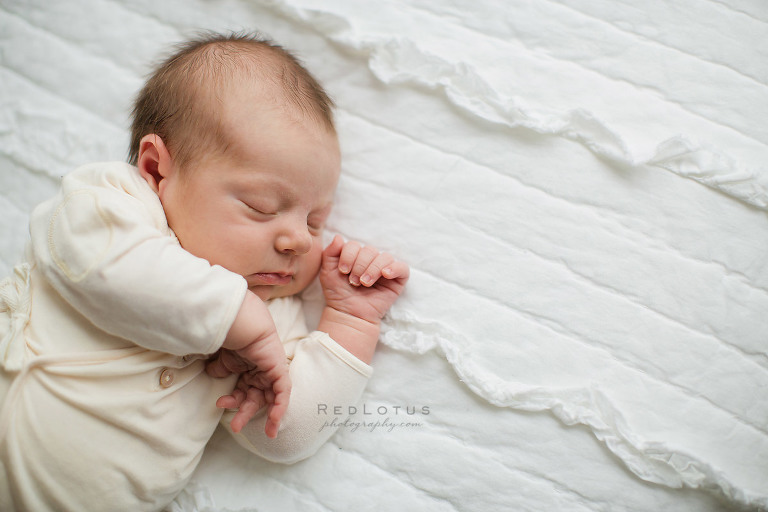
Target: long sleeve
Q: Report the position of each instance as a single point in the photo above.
(104, 245)
(324, 376)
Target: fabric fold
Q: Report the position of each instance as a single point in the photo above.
(400, 61)
(654, 462)
(15, 302)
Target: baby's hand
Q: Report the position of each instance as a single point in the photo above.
(261, 384)
(262, 366)
(361, 281)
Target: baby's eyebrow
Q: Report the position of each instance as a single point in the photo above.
(257, 184)
(261, 184)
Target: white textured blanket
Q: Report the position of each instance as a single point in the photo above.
(580, 187)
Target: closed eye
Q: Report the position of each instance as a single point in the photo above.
(315, 228)
(260, 210)
(317, 219)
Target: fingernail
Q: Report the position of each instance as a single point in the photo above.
(354, 281)
(343, 269)
(366, 279)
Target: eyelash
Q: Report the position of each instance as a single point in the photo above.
(317, 227)
(259, 211)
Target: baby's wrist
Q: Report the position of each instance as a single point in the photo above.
(358, 335)
(352, 320)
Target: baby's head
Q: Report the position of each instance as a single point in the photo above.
(181, 100)
(237, 139)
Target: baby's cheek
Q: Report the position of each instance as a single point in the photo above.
(314, 257)
(309, 267)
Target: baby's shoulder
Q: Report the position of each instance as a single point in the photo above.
(114, 187)
(109, 175)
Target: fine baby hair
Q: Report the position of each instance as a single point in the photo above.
(179, 100)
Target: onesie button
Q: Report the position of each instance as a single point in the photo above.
(166, 378)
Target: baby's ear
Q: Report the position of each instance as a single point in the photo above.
(154, 161)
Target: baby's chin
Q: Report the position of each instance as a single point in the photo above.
(266, 293)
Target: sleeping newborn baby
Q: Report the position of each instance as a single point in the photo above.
(159, 298)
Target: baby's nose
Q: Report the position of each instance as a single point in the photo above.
(296, 240)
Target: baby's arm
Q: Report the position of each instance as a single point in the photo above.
(360, 284)
(254, 350)
(326, 380)
(104, 245)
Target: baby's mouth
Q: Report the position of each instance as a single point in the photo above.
(269, 279)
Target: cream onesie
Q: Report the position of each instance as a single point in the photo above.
(104, 333)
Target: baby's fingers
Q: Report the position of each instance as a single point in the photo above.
(365, 257)
(248, 408)
(278, 397)
(215, 368)
(348, 255)
(334, 248)
(375, 269)
(396, 270)
(232, 401)
(224, 364)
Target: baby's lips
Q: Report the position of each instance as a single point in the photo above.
(269, 279)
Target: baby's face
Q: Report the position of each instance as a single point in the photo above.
(259, 208)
